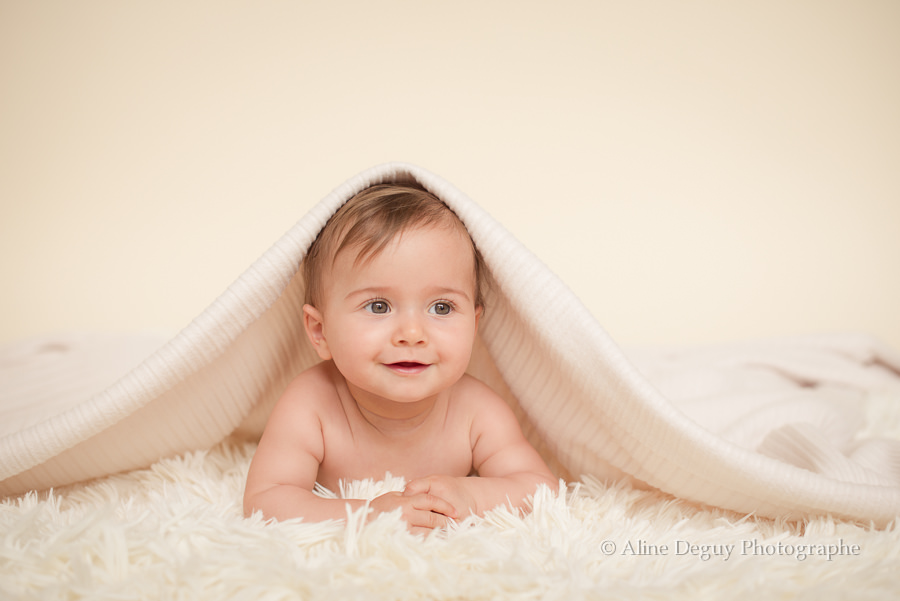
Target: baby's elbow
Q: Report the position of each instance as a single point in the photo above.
(534, 481)
(253, 503)
(249, 506)
(547, 480)
(551, 482)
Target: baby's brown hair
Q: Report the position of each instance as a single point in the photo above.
(370, 220)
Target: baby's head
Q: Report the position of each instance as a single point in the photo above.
(367, 223)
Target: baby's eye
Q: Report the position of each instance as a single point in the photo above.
(379, 307)
(441, 308)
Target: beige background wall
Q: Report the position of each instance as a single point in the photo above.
(695, 172)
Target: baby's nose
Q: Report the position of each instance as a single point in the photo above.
(410, 331)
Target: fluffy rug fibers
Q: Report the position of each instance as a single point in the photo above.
(175, 531)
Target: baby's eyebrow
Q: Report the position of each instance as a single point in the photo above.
(435, 291)
(367, 292)
(451, 291)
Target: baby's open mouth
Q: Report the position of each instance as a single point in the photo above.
(407, 367)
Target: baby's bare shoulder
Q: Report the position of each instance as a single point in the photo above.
(492, 422)
(296, 423)
(475, 395)
(316, 378)
(311, 391)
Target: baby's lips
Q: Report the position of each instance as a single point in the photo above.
(407, 367)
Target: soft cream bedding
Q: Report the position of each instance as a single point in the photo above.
(767, 430)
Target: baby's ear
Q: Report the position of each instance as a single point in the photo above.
(315, 329)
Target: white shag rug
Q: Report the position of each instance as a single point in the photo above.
(175, 531)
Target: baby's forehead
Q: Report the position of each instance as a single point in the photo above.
(364, 250)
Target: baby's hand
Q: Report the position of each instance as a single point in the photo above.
(422, 511)
(448, 488)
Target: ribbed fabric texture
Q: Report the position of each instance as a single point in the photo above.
(581, 402)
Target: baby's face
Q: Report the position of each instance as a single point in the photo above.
(400, 327)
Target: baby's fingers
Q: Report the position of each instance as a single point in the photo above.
(424, 521)
(417, 486)
(432, 503)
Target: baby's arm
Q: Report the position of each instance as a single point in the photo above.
(509, 468)
(284, 468)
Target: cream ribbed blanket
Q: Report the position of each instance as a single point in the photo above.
(751, 435)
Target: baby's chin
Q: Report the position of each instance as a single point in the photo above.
(402, 393)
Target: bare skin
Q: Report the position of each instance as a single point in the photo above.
(391, 396)
(325, 437)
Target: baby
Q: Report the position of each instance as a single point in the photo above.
(394, 295)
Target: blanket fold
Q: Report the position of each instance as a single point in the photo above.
(586, 406)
